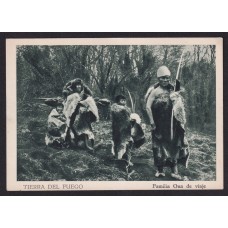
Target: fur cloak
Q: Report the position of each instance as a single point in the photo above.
(80, 113)
(56, 129)
(167, 150)
(126, 131)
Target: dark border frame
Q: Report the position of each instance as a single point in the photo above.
(4, 36)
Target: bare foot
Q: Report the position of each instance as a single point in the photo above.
(176, 176)
(90, 149)
(158, 174)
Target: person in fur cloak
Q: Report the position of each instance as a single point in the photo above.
(80, 110)
(166, 112)
(55, 136)
(126, 131)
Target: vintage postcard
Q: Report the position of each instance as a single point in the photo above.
(114, 114)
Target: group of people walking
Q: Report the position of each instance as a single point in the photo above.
(70, 123)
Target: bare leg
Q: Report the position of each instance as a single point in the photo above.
(174, 173)
(174, 169)
(68, 137)
(129, 164)
(92, 143)
(87, 143)
(158, 161)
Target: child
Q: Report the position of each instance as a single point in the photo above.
(126, 130)
(56, 128)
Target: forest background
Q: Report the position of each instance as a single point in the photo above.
(42, 71)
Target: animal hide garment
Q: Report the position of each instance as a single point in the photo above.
(178, 108)
(121, 129)
(80, 114)
(56, 119)
(56, 129)
(70, 106)
(125, 130)
(168, 149)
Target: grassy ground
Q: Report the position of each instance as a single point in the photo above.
(36, 162)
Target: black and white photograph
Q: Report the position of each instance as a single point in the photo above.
(114, 114)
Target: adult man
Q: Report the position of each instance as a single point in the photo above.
(167, 119)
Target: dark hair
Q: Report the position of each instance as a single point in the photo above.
(59, 104)
(78, 81)
(119, 97)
